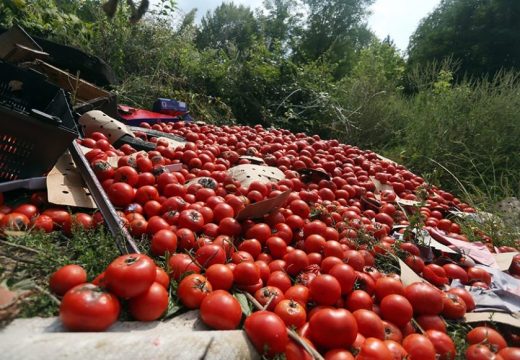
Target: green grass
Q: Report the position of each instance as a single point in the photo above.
(28, 261)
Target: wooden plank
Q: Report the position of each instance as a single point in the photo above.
(84, 90)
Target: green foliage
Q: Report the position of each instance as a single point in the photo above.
(484, 35)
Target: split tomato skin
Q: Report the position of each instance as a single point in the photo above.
(87, 307)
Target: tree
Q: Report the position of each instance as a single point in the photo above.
(228, 24)
(482, 35)
(335, 31)
(281, 23)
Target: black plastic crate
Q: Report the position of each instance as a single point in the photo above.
(36, 124)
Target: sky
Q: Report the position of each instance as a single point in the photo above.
(397, 18)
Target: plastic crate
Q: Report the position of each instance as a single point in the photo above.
(170, 107)
(36, 124)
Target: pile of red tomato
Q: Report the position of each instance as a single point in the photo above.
(309, 265)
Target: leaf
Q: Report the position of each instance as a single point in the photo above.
(173, 309)
(244, 304)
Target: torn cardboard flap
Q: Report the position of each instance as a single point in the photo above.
(65, 185)
(504, 260)
(247, 173)
(96, 120)
(430, 241)
(204, 181)
(380, 187)
(408, 276)
(503, 318)
(263, 207)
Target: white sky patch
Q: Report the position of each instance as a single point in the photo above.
(396, 18)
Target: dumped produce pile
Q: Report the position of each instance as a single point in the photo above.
(307, 250)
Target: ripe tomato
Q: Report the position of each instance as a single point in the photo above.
(374, 348)
(191, 219)
(269, 295)
(246, 273)
(121, 194)
(476, 274)
(66, 277)
(146, 193)
(346, 276)
(387, 285)
(150, 305)
(444, 346)
(359, 299)
(431, 322)
(392, 332)
(162, 277)
(466, 296)
(454, 306)
(435, 274)
(479, 352)
(398, 352)
(193, 289)
(210, 254)
(291, 312)
(419, 347)
(267, 332)
(28, 210)
(396, 309)
(298, 293)
(510, 353)
(164, 241)
(181, 264)
(491, 337)
(219, 276)
(15, 221)
(87, 308)
(369, 324)
(221, 311)
(325, 290)
(260, 232)
(425, 299)
(333, 328)
(43, 223)
(130, 275)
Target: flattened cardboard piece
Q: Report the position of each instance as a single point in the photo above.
(384, 187)
(504, 260)
(263, 207)
(247, 173)
(408, 276)
(134, 155)
(253, 159)
(312, 175)
(430, 241)
(475, 250)
(82, 89)
(172, 143)
(65, 185)
(503, 318)
(96, 120)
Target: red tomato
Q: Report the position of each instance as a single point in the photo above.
(298, 293)
(267, 332)
(392, 332)
(130, 275)
(44, 223)
(181, 264)
(346, 276)
(15, 221)
(476, 274)
(396, 309)
(164, 241)
(435, 274)
(246, 273)
(193, 289)
(28, 210)
(387, 285)
(369, 324)
(454, 306)
(359, 299)
(325, 290)
(121, 194)
(162, 277)
(210, 254)
(479, 352)
(425, 299)
(510, 353)
(398, 352)
(291, 312)
(431, 322)
(419, 347)
(374, 348)
(269, 295)
(443, 344)
(87, 308)
(150, 305)
(333, 328)
(220, 276)
(221, 311)
(66, 277)
(491, 337)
